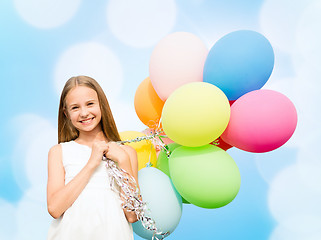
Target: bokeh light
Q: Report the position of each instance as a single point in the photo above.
(91, 59)
(32, 219)
(279, 21)
(289, 195)
(305, 227)
(141, 23)
(36, 135)
(46, 13)
(7, 219)
(271, 163)
(122, 111)
(308, 35)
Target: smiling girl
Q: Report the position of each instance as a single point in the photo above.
(79, 197)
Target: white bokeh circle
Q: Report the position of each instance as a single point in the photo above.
(309, 162)
(309, 150)
(30, 155)
(289, 195)
(301, 227)
(94, 60)
(279, 22)
(271, 163)
(33, 219)
(306, 89)
(36, 157)
(7, 219)
(308, 35)
(282, 85)
(125, 116)
(46, 13)
(311, 174)
(141, 23)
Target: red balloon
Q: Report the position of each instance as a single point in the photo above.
(221, 144)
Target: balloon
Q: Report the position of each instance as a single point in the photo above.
(148, 105)
(261, 121)
(239, 62)
(163, 201)
(145, 149)
(162, 160)
(195, 114)
(206, 176)
(221, 144)
(176, 60)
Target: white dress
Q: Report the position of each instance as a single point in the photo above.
(96, 214)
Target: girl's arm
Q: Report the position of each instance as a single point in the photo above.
(60, 196)
(129, 163)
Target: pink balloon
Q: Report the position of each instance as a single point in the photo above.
(261, 121)
(176, 60)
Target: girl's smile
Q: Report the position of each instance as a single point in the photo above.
(87, 121)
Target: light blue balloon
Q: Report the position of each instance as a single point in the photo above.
(239, 62)
(163, 201)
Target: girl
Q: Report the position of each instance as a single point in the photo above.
(79, 196)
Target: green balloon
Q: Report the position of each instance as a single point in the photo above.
(205, 176)
(162, 161)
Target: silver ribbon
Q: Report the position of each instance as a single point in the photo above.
(156, 138)
(125, 184)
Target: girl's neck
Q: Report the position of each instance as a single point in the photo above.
(89, 137)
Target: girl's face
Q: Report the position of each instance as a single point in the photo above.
(82, 107)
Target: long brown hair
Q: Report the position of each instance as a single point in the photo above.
(66, 131)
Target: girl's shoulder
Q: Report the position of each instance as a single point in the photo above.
(131, 153)
(59, 146)
(55, 149)
(55, 154)
(128, 149)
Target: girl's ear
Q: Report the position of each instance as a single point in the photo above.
(66, 114)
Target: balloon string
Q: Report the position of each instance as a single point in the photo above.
(159, 122)
(149, 164)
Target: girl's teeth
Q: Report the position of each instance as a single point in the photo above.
(86, 121)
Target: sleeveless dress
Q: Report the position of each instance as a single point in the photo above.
(96, 214)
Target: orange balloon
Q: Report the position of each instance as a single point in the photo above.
(148, 105)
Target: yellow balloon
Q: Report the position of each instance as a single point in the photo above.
(196, 114)
(145, 149)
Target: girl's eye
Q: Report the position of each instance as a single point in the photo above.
(73, 108)
(90, 103)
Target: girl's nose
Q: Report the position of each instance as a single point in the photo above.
(84, 112)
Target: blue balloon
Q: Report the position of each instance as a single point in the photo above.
(163, 201)
(239, 62)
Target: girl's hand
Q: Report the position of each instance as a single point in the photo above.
(116, 152)
(99, 149)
